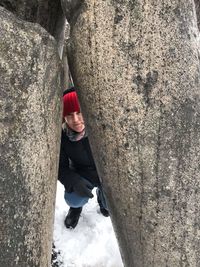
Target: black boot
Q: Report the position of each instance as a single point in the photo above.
(72, 217)
(103, 211)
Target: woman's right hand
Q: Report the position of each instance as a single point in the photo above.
(82, 189)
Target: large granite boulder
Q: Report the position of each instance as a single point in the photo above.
(30, 122)
(136, 64)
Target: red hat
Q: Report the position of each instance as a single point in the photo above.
(70, 102)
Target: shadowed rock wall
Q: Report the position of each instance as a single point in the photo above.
(44, 12)
(197, 7)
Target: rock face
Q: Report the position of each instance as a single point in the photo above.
(197, 7)
(45, 12)
(30, 122)
(137, 66)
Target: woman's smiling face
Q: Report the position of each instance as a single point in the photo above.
(75, 121)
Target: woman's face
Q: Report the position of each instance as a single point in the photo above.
(75, 121)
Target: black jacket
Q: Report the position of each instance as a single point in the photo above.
(76, 161)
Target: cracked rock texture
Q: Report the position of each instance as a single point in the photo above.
(47, 13)
(29, 136)
(197, 7)
(136, 64)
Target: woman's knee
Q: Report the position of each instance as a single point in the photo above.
(74, 200)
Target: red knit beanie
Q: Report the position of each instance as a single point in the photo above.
(70, 103)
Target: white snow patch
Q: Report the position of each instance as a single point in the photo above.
(92, 243)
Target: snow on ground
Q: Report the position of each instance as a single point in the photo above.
(92, 243)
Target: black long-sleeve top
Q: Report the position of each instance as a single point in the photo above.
(76, 161)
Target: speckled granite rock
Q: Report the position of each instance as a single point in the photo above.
(137, 66)
(30, 122)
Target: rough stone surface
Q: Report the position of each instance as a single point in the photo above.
(29, 141)
(71, 9)
(137, 66)
(197, 7)
(48, 13)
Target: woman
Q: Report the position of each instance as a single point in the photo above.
(77, 171)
